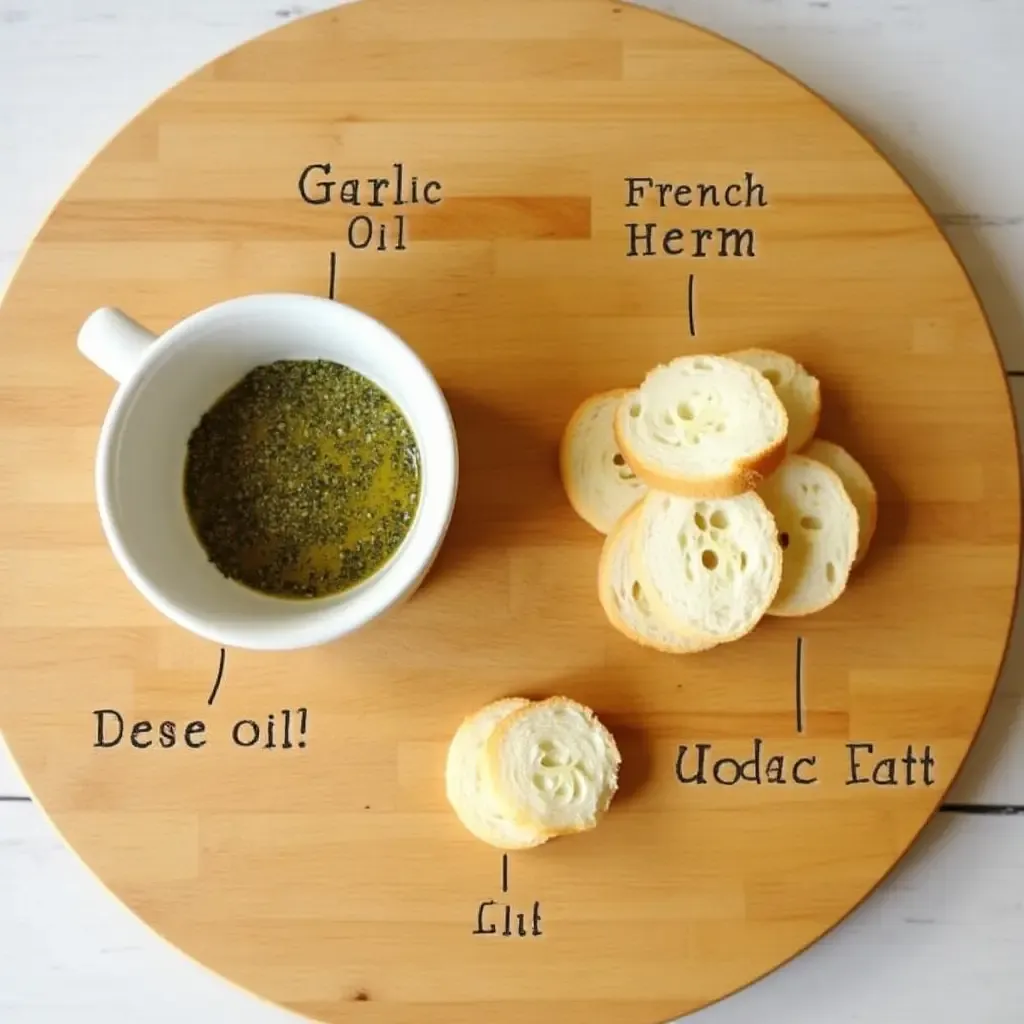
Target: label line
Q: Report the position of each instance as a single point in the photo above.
(799, 684)
(220, 676)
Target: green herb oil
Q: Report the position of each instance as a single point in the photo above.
(302, 480)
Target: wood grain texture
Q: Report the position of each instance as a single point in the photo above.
(956, 900)
(334, 880)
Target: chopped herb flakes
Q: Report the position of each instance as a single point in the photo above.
(303, 479)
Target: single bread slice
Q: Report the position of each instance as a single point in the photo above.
(799, 391)
(858, 486)
(553, 766)
(817, 525)
(702, 427)
(469, 795)
(598, 481)
(625, 603)
(709, 566)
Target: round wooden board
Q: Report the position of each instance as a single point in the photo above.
(333, 878)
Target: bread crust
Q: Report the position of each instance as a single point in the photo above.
(604, 595)
(747, 475)
(867, 530)
(572, 491)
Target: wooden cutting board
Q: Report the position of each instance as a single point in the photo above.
(329, 875)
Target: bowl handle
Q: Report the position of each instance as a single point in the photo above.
(114, 342)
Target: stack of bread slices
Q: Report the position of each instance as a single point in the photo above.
(520, 772)
(719, 503)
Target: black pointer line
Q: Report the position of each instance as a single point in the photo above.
(800, 684)
(220, 676)
(689, 306)
(504, 872)
(333, 275)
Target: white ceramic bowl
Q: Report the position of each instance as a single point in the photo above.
(167, 382)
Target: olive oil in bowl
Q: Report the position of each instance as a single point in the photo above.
(302, 480)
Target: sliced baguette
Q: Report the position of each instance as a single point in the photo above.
(799, 391)
(817, 524)
(858, 486)
(598, 482)
(711, 567)
(468, 793)
(702, 426)
(553, 766)
(624, 601)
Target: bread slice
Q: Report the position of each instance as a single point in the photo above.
(818, 529)
(624, 601)
(711, 567)
(858, 486)
(466, 789)
(553, 766)
(799, 391)
(703, 427)
(598, 482)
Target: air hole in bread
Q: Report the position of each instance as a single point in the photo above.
(830, 572)
(684, 411)
(667, 419)
(550, 755)
(626, 474)
(784, 540)
(636, 591)
(618, 459)
(774, 377)
(719, 519)
(810, 522)
(702, 523)
(708, 559)
(634, 410)
(701, 364)
(743, 561)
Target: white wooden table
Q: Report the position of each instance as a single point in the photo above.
(939, 86)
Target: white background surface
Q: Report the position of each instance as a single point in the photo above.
(939, 86)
